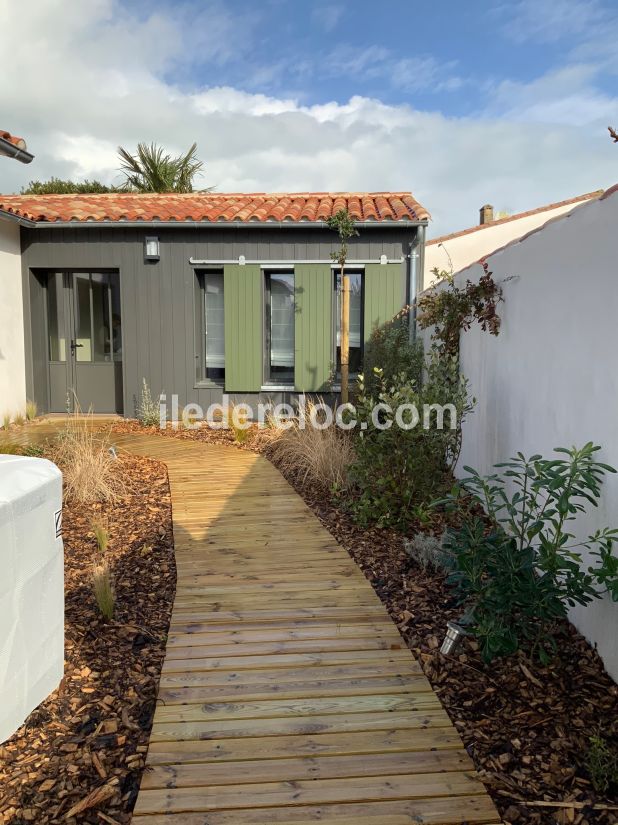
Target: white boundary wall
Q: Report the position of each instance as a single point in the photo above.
(550, 378)
(12, 358)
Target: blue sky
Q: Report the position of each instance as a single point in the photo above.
(462, 103)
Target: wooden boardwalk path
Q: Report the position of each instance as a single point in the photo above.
(287, 694)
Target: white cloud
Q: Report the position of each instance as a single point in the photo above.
(87, 82)
(327, 16)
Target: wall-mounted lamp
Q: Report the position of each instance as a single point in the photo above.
(151, 248)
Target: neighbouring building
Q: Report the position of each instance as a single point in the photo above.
(12, 356)
(202, 294)
(450, 253)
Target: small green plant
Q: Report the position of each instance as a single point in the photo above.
(602, 763)
(237, 421)
(519, 568)
(34, 451)
(19, 419)
(101, 535)
(31, 410)
(148, 413)
(101, 575)
(451, 309)
(400, 468)
(104, 590)
(6, 420)
(427, 551)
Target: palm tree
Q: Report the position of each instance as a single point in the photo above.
(152, 170)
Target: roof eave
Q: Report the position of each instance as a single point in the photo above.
(42, 224)
(20, 219)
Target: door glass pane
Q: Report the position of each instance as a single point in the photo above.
(83, 320)
(55, 318)
(281, 356)
(214, 344)
(356, 325)
(102, 343)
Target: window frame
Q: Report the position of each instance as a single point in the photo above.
(200, 378)
(268, 380)
(349, 270)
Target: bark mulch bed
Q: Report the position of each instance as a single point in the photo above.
(83, 749)
(526, 726)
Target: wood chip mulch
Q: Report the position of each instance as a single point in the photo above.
(526, 726)
(79, 756)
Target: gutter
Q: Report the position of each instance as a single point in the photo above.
(88, 224)
(10, 150)
(13, 218)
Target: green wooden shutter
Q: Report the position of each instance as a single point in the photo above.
(385, 290)
(313, 285)
(243, 327)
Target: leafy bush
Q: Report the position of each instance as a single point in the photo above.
(390, 351)
(398, 469)
(90, 472)
(148, 413)
(602, 763)
(322, 456)
(519, 569)
(451, 309)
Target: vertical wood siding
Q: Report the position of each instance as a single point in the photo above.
(313, 286)
(158, 299)
(385, 291)
(243, 327)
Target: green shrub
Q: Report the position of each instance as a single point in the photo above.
(390, 350)
(519, 569)
(396, 470)
(148, 413)
(602, 763)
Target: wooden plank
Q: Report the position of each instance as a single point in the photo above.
(310, 767)
(307, 707)
(320, 744)
(304, 688)
(283, 726)
(309, 792)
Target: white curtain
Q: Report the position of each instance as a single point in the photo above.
(215, 339)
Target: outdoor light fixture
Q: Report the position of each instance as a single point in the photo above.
(453, 639)
(151, 248)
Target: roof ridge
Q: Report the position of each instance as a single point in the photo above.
(597, 193)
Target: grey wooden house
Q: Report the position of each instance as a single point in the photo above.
(203, 294)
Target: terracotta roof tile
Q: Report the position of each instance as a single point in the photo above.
(516, 217)
(16, 141)
(215, 207)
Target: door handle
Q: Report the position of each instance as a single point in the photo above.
(75, 345)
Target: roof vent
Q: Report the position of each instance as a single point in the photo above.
(486, 214)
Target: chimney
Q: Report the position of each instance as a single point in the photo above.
(486, 214)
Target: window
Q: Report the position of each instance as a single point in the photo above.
(211, 326)
(357, 301)
(279, 315)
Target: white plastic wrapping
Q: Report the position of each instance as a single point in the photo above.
(31, 587)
